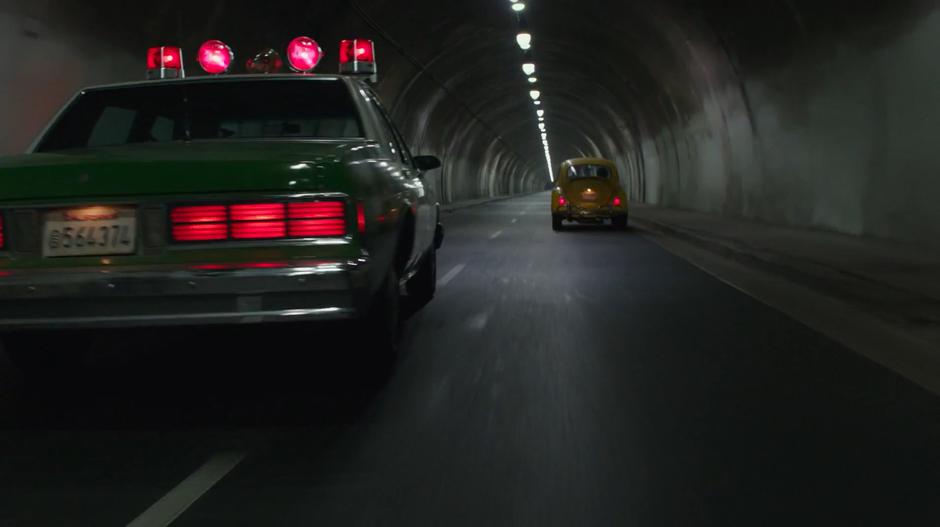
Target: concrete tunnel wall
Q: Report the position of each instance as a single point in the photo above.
(794, 112)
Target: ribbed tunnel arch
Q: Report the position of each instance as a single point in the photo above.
(794, 112)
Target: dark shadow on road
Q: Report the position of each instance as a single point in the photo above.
(273, 375)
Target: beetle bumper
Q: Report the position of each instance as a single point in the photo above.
(183, 295)
(585, 214)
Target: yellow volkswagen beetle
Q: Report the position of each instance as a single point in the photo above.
(588, 191)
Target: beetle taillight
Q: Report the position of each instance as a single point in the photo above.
(562, 201)
(617, 201)
(259, 221)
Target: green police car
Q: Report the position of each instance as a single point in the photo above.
(227, 199)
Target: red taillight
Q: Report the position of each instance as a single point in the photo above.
(316, 210)
(200, 214)
(617, 201)
(316, 219)
(200, 232)
(257, 212)
(259, 230)
(361, 217)
(562, 201)
(316, 228)
(201, 223)
(215, 57)
(303, 54)
(164, 62)
(259, 221)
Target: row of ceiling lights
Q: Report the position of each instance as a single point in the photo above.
(524, 39)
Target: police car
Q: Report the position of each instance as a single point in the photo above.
(219, 199)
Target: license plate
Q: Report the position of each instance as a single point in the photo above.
(68, 234)
(589, 196)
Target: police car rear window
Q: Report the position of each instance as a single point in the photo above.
(163, 113)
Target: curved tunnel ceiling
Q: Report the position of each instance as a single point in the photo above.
(703, 104)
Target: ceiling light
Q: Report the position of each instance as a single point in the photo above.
(524, 40)
(518, 7)
(528, 68)
(535, 94)
(533, 80)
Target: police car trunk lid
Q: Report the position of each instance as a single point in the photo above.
(175, 169)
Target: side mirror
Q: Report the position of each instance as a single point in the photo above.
(427, 163)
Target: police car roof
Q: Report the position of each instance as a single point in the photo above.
(207, 79)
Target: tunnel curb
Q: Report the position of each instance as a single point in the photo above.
(916, 311)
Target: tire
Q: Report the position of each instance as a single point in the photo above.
(619, 223)
(556, 223)
(423, 285)
(382, 323)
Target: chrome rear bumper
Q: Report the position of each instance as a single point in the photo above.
(182, 295)
(572, 213)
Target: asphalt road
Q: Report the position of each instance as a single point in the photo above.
(579, 378)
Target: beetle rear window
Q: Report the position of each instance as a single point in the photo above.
(588, 171)
(162, 113)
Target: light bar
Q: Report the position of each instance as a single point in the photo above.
(304, 54)
(265, 62)
(357, 57)
(215, 57)
(165, 62)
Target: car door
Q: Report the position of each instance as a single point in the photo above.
(413, 189)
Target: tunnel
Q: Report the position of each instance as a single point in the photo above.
(752, 339)
(798, 113)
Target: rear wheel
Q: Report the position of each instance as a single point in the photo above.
(383, 321)
(423, 286)
(556, 223)
(619, 223)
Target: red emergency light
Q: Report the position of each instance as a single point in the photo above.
(357, 57)
(304, 54)
(267, 61)
(165, 62)
(215, 57)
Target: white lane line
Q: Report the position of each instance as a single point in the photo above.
(451, 275)
(175, 503)
(515, 220)
(496, 234)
